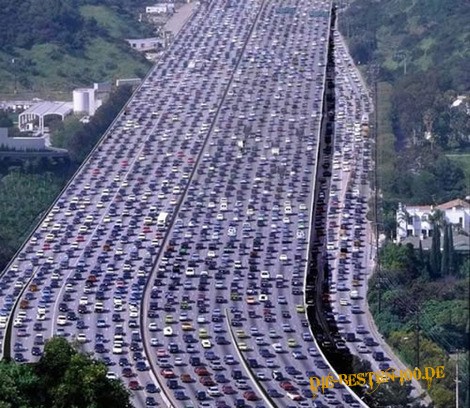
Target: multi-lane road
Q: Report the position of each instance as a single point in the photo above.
(178, 252)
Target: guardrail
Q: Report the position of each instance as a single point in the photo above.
(318, 158)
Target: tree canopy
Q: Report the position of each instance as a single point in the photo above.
(63, 378)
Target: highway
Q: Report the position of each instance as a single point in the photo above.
(178, 253)
(351, 241)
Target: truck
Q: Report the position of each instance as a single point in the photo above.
(162, 219)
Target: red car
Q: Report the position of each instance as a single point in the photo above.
(134, 385)
(228, 390)
(286, 385)
(167, 373)
(201, 371)
(250, 396)
(207, 381)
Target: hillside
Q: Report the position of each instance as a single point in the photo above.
(58, 45)
(423, 49)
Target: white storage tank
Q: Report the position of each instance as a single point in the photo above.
(81, 100)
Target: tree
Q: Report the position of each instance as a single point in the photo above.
(19, 385)
(435, 257)
(5, 121)
(445, 252)
(63, 378)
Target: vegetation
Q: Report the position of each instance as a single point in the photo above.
(413, 297)
(420, 50)
(27, 188)
(63, 378)
(59, 45)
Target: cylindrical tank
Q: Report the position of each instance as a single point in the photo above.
(81, 101)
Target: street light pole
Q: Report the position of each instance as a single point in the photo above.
(457, 380)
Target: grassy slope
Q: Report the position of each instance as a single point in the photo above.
(105, 58)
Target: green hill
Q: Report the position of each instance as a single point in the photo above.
(423, 49)
(57, 45)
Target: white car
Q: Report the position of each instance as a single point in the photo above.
(168, 331)
(81, 338)
(265, 275)
(179, 361)
(117, 348)
(61, 320)
(206, 343)
(213, 391)
(277, 347)
(190, 272)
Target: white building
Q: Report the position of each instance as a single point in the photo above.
(416, 221)
(33, 117)
(146, 44)
(160, 8)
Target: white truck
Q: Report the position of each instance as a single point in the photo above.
(162, 219)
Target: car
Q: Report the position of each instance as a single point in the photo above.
(250, 396)
(360, 329)
(300, 308)
(291, 342)
(134, 385)
(150, 402)
(206, 343)
(168, 331)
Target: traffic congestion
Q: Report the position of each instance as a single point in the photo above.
(178, 253)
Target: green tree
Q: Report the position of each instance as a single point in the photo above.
(63, 378)
(19, 385)
(445, 252)
(435, 257)
(5, 121)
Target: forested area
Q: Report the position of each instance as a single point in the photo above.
(63, 378)
(27, 188)
(82, 48)
(419, 52)
(422, 49)
(421, 298)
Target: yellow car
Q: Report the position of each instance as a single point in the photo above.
(203, 334)
(300, 308)
(241, 334)
(169, 319)
(187, 326)
(291, 343)
(243, 347)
